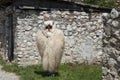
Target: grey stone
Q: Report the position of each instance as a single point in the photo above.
(70, 33)
(29, 43)
(117, 33)
(116, 24)
(74, 27)
(40, 21)
(69, 27)
(104, 70)
(114, 14)
(20, 55)
(54, 15)
(84, 14)
(46, 15)
(118, 58)
(66, 33)
(19, 22)
(76, 12)
(40, 17)
(58, 12)
(63, 27)
(105, 17)
(92, 27)
(28, 28)
(113, 40)
(34, 34)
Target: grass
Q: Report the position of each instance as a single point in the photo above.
(67, 72)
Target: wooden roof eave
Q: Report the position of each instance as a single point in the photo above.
(75, 5)
(2, 2)
(78, 6)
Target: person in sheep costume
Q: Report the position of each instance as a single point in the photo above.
(50, 44)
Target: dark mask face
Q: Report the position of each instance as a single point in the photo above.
(49, 27)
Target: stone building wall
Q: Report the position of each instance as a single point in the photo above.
(111, 46)
(1, 24)
(3, 30)
(83, 37)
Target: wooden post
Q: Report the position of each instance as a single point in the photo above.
(10, 38)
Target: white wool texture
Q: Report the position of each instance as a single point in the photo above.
(51, 46)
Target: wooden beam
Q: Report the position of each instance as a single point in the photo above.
(10, 38)
(63, 5)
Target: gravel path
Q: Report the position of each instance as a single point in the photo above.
(7, 75)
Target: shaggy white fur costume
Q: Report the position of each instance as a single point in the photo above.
(51, 45)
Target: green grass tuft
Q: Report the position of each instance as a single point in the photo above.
(67, 72)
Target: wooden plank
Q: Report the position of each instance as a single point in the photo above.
(10, 38)
(63, 5)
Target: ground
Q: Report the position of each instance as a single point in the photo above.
(7, 75)
(35, 72)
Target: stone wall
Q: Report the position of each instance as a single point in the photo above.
(111, 46)
(1, 24)
(3, 30)
(83, 37)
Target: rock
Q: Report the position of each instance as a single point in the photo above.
(29, 43)
(74, 27)
(20, 55)
(118, 58)
(116, 24)
(32, 57)
(113, 40)
(105, 17)
(100, 53)
(46, 15)
(63, 27)
(117, 33)
(35, 25)
(28, 28)
(65, 13)
(34, 34)
(40, 17)
(40, 21)
(84, 14)
(104, 70)
(71, 42)
(19, 22)
(114, 14)
(75, 33)
(92, 34)
(66, 33)
(70, 33)
(19, 59)
(69, 27)
(24, 41)
(58, 12)
(76, 12)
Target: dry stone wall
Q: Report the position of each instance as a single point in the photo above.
(111, 46)
(83, 37)
(3, 36)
